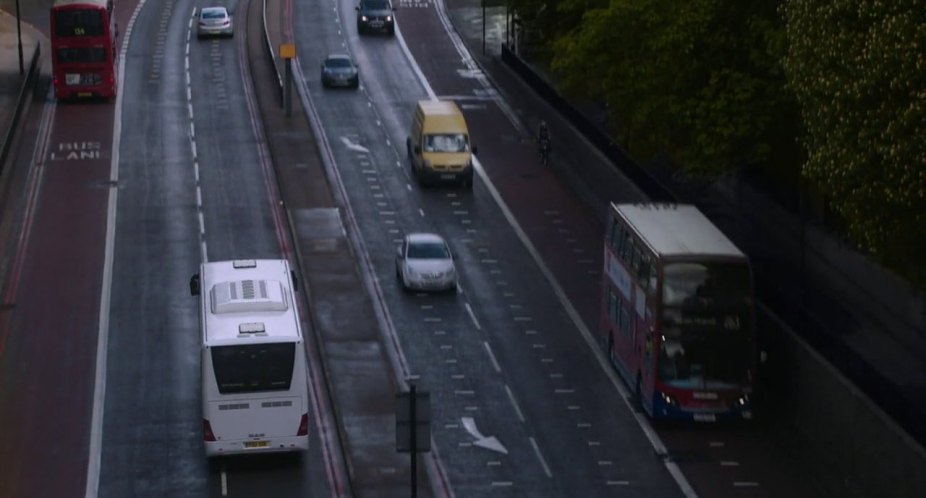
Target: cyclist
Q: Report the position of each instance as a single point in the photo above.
(543, 141)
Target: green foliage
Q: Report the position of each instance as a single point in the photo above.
(698, 79)
(858, 68)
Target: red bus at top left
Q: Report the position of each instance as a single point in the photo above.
(83, 45)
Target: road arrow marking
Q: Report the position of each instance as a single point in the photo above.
(353, 146)
(489, 443)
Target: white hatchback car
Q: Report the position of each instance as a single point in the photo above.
(424, 262)
(214, 21)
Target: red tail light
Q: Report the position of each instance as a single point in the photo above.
(207, 431)
(304, 425)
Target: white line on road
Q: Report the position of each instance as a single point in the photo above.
(224, 483)
(543, 463)
(514, 403)
(498, 369)
(472, 316)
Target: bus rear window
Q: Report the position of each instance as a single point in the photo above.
(78, 23)
(253, 367)
(82, 54)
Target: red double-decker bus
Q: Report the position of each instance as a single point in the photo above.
(677, 312)
(83, 46)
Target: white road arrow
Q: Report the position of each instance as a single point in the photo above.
(353, 146)
(489, 443)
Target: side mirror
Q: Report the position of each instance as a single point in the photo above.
(417, 150)
(357, 8)
(474, 148)
(194, 284)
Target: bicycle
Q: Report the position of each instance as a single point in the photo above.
(544, 149)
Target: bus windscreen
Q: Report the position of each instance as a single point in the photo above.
(253, 367)
(79, 23)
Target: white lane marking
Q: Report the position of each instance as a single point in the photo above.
(726, 463)
(99, 390)
(514, 403)
(716, 444)
(495, 365)
(573, 407)
(617, 483)
(543, 462)
(421, 212)
(564, 391)
(502, 483)
(472, 316)
(594, 443)
(605, 463)
(745, 484)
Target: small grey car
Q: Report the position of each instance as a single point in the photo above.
(340, 70)
(214, 21)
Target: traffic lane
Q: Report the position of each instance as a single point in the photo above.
(421, 27)
(48, 361)
(397, 202)
(385, 74)
(234, 177)
(151, 425)
(611, 188)
(575, 434)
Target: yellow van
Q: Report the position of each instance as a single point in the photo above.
(438, 145)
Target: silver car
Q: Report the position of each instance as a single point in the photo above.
(424, 262)
(214, 21)
(340, 70)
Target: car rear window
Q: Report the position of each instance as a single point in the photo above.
(338, 62)
(213, 14)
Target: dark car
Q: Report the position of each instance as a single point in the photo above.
(375, 15)
(339, 70)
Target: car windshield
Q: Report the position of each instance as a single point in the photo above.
(338, 62)
(448, 142)
(213, 14)
(428, 250)
(376, 5)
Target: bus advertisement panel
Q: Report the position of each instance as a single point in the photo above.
(83, 48)
(254, 384)
(677, 313)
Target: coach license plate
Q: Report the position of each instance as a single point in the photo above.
(72, 78)
(448, 176)
(85, 94)
(705, 417)
(256, 444)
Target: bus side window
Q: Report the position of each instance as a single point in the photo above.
(612, 306)
(626, 246)
(637, 260)
(613, 234)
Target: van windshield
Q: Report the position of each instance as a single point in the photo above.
(446, 142)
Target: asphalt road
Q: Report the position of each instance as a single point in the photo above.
(496, 353)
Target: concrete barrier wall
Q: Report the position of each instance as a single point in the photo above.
(851, 439)
(25, 92)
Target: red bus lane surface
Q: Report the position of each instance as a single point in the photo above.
(717, 460)
(49, 327)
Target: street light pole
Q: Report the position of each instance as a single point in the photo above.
(19, 38)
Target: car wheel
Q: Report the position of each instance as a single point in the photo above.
(356, 83)
(391, 30)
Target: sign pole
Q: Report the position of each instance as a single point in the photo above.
(414, 438)
(287, 53)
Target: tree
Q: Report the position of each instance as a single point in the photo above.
(698, 79)
(858, 69)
